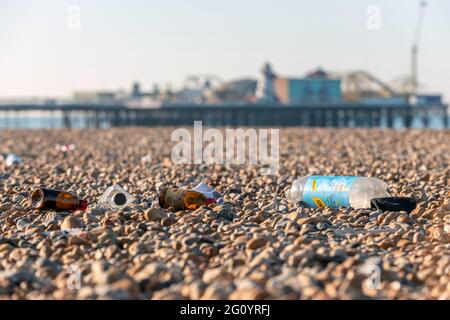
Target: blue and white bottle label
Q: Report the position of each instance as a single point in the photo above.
(328, 191)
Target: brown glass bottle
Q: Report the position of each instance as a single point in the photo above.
(182, 199)
(43, 198)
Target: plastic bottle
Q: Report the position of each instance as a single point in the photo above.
(182, 199)
(337, 191)
(43, 198)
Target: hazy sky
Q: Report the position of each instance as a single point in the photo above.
(164, 41)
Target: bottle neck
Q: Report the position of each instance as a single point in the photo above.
(82, 205)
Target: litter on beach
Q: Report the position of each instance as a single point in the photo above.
(188, 199)
(347, 191)
(209, 192)
(115, 197)
(58, 200)
(12, 159)
(65, 147)
(146, 159)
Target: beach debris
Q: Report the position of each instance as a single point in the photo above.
(346, 191)
(146, 159)
(188, 199)
(407, 204)
(181, 199)
(336, 191)
(58, 200)
(12, 159)
(65, 147)
(115, 197)
(209, 192)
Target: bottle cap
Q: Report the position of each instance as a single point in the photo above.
(209, 201)
(83, 204)
(394, 204)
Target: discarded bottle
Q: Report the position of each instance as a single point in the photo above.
(337, 191)
(182, 199)
(115, 197)
(43, 198)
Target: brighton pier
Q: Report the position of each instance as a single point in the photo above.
(277, 115)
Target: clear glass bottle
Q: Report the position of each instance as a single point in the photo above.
(116, 198)
(337, 191)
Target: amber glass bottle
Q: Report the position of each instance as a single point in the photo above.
(182, 199)
(43, 198)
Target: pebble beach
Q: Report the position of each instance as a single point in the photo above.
(255, 245)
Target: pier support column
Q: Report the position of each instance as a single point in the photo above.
(370, 119)
(66, 120)
(359, 123)
(116, 118)
(407, 118)
(302, 117)
(376, 118)
(96, 119)
(425, 119)
(313, 118)
(346, 119)
(309, 119)
(445, 116)
(334, 119)
(322, 119)
(389, 118)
